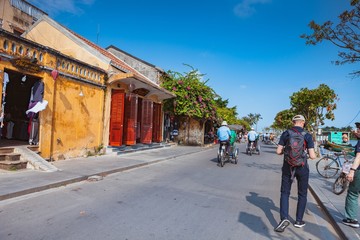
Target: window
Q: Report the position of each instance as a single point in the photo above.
(13, 48)
(21, 50)
(6, 45)
(41, 57)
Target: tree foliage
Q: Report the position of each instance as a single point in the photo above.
(283, 119)
(315, 105)
(344, 35)
(194, 98)
(252, 118)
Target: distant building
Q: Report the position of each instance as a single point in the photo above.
(19, 15)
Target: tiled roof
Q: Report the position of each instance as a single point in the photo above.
(113, 58)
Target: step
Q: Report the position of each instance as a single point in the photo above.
(34, 149)
(13, 165)
(6, 150)
(10, 157)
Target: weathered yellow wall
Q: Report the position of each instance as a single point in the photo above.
(71, 125)
(45, 34)
(78, 120)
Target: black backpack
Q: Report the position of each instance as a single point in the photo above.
(294, 151)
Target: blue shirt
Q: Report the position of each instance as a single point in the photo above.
(252, 135)
(223, 133)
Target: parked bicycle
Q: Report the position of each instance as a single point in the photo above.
(341, 183)
(329, 165)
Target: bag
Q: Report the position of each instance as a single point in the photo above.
(294, 152)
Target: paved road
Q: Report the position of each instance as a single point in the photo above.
(189, 197)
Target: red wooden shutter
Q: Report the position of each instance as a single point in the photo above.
(157, 124)
(138, 123)
(116, 118)
(130, 119)
(146, 121)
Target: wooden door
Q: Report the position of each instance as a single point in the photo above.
(116, 118)
(146, 121)
(130, 126)
(157, 123)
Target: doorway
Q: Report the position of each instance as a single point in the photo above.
(18, 91)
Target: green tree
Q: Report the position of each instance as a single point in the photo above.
(344, 35)
(283, 120)
(194, 99)
(315, 105)
(252, 119)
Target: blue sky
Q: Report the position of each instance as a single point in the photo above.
(250, 50)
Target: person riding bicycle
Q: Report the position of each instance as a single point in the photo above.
(224, 134)
(253, 137)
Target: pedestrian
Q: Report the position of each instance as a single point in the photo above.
(290, 170)
(352, 197)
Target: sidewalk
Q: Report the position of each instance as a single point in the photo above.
(15, 184)
(332, 204)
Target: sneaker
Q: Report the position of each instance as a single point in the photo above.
(351, 222)
(282, 225)
(299, 224)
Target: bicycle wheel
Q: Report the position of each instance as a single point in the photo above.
(327, 167)
(236, 152)
(222, 158)
(340, 184)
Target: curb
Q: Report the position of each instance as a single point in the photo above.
(335, 225)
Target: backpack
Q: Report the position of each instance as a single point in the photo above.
(294, 151)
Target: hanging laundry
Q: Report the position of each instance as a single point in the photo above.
(37, 92)
(38, 107)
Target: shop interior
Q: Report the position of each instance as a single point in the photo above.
(15, 103)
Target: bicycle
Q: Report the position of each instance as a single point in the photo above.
(329, 165)
(222, 154)
(341, 183)
(223, 157)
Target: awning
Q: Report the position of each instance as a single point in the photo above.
(140, 83)
(236, 127)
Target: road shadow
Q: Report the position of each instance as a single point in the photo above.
(265, 204)
(265, 166)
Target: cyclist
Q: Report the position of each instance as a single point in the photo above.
(252, 137)
(224, 134)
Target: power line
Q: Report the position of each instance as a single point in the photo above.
(354, 118)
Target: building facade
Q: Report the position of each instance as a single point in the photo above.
(70, 123)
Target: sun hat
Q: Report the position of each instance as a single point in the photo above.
(298, 118)
(224, 123)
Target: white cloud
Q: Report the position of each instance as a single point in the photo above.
(246, 7)
(53, 7)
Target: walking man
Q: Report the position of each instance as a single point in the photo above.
(294, 166)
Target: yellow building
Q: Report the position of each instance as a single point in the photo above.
(16, 16)
(93, 98)
(72, 122)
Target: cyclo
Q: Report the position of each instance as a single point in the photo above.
(230, 156)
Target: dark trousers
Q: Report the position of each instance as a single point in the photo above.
(302, 178)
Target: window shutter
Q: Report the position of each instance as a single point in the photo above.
(146, 121)
(157, 126)
(116, 118)
(130, 120)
